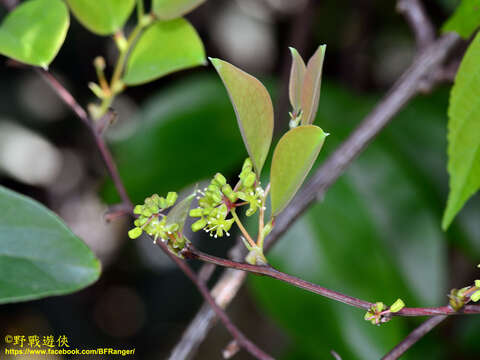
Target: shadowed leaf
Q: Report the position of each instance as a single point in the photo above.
(39, 255)
(464, 133)
(34, 32)
(311, 86)
(102, 17)
(171, 9)
(165, 47)
(253, 108)
(292, 160)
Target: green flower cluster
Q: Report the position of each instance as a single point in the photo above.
(247, 190)
(153, 222)
(216, 201)
(381, 313)
(213, 209)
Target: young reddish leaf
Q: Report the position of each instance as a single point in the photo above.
(102, 17)
(34, 32)
(311, 86)
(165, 47)
(297, 74)
(171, 9)
(253, 108)
(292, 160)
(463, 133)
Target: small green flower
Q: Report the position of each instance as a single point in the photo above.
(397, 306)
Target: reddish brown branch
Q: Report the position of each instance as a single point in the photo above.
(192, 253)
(241, 339)
(70, 101)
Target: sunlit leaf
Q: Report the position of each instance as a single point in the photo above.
(165, 47)
(311, 86)
(253, 108)
(171, 9)
(102, 17)
(465, 20)
(39, 255)
(297, 74)
(292, 160)
(34, 31)
(464, 133)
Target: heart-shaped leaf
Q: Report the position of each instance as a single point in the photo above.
(165, 47)
(171, 9)
(253, 108)
(311, 86)
(102, 17)
(39, 255)
(464, 133)
(297, 74)
(292, 160)
(34, 32)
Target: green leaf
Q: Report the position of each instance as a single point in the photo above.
(293, 158)
(34, 32)
(171, 9)
(311, 86)
(102, 17)
(39, 255)
(185, 133)
(165, 47)
(465, 20)
(179, 212)
(297, 74)
(253, 108)
(463, 133)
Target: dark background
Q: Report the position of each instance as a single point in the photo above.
(376, 234)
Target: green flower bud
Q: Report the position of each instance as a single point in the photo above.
(380, 306)
(220, 179)
(477, 283)
(199, 225)
(397, 306)
(171, 198)
(134, 233)
(138, 209)
(249, 180)
(197, 212)
(475, 296)
(247, 165)
(163, 203)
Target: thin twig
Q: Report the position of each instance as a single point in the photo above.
(413, 337)
(417, 18)
(70, 101)
(402, 91)
(113, 172)
(241, 339)
(192, 253)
